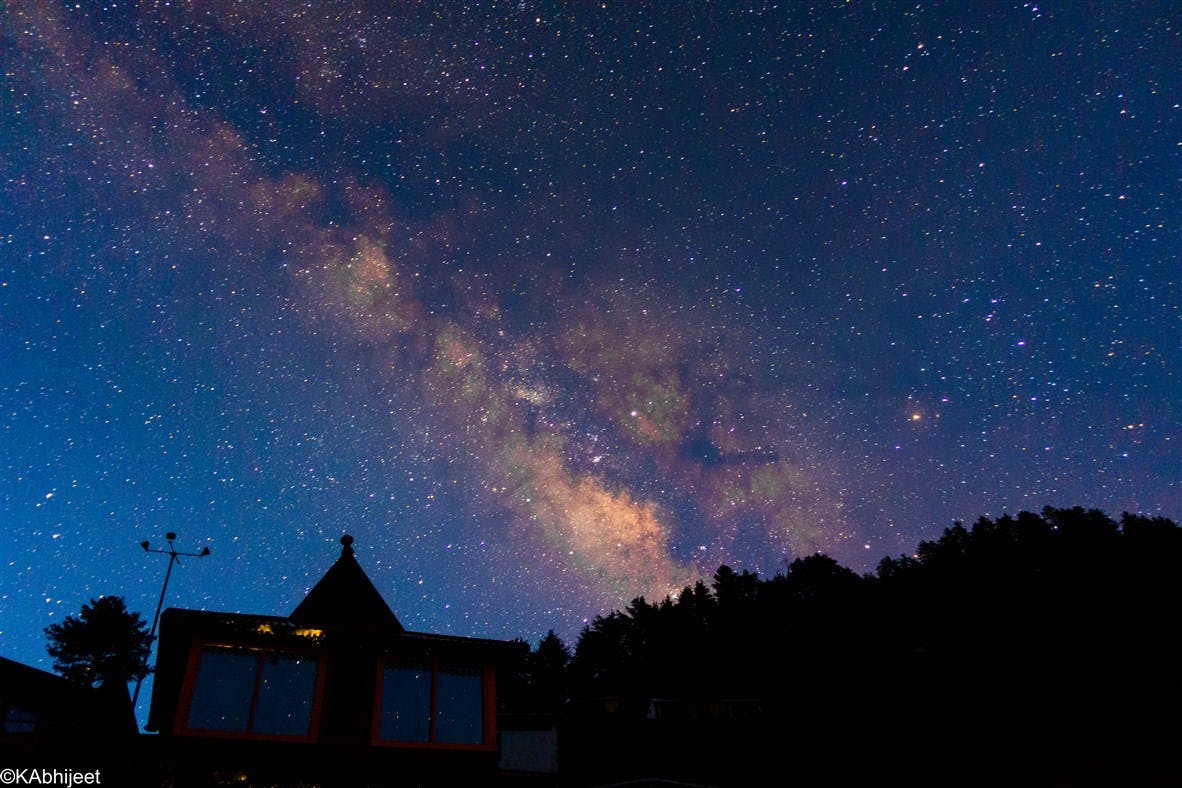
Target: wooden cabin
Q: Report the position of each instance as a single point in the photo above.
(338, 692)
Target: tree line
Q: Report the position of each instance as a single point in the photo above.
(1038, 649)
(1035, 648)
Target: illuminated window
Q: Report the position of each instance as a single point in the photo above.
(253, 692)
(413, 691)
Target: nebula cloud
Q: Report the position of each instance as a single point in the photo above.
(594, 297)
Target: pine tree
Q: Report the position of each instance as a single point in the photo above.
(105, 643)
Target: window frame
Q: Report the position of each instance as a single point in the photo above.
(488, 704)
(30, 720)
(189, 688)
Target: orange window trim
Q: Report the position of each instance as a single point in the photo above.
(188, 688)
(489, 709)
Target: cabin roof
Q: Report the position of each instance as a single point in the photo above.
(343, 611)
(346, 598)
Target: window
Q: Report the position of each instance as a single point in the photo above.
(459, 706)
(18, 721)
(441, 704)
(406, 702)
(253, 692)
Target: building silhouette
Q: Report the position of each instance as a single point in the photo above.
(338, 692)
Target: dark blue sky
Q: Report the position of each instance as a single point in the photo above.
(551, 305)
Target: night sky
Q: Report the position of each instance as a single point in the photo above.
(550, 305)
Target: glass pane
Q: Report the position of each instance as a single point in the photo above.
(460, 706)
(285, 696)
(19, 720)
(225, 685)
(406, 703)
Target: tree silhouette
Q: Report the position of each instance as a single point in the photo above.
(105, 643)
(1027, 649)
(548, 671)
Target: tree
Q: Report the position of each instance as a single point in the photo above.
(105, 643)
(548, 671)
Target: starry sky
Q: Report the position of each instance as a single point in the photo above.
(552, 304)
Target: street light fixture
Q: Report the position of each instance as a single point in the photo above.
(173, 558)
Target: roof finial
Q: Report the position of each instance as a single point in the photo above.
(347, 541)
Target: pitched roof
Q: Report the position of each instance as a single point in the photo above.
(63, 708)
(345, 598)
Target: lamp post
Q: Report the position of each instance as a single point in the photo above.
(173, 558)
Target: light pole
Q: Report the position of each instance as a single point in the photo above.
(173, 558)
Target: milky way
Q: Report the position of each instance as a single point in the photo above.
(554, 305)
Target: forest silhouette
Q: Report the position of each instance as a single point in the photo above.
(1041, 649)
